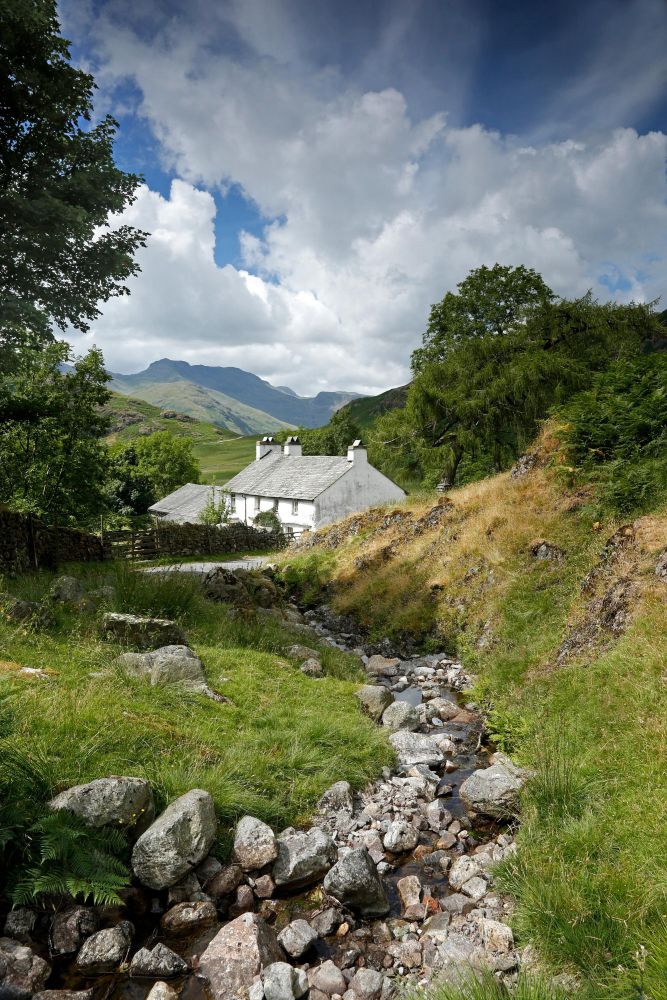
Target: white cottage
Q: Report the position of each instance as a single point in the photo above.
(305, 491)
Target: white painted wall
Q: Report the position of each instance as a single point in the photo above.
(360, 488)
(246, 511)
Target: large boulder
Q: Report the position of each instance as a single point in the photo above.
(383, 666)
(400, 715)
(303, 857)
(106, 950)
(415, 748)
(158, 962)
(142, 633)
(254, 844)
(71, 927)
(177, 841)
(22, 972)
(374, 699)
(113, 801)
(236, 956)
(66, 590)
(300, 652)
(355, 882)
(494, 791)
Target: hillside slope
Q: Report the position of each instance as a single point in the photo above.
(229, 396)
(366, 410)
(220, 453)
(562, 619)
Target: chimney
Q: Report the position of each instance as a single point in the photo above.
(265, 447)
(357, 453)
(293, 447)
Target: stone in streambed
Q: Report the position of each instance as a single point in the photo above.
(400, 837)
(236, 956)
(178, 840)
(158, 962)
(494, 791)
(328, 979)
(355, 882)
(22, 972)
(188, 918)
(71, 927)
(400, 715)
(303, 857)
(282, 982)
(297, 938)
(382, 666)
(338, 796)
(374, 699)
(105, 950)
(254, 844)
(415, 748)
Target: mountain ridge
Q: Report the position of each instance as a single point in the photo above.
(209, 392)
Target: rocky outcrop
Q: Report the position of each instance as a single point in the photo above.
(173, 664)
(178, 840)
(303, 857)
(113, 801)
(142, 633)
(354, 881)
(236, 956)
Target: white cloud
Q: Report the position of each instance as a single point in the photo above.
(377, 214)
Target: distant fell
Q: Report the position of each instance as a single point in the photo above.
(229, 397)
(366, 409)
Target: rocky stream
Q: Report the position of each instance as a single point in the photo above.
(388, 887)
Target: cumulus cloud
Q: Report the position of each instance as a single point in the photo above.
(376, 212)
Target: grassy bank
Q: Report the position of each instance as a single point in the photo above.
(570, 660)
(271, 751)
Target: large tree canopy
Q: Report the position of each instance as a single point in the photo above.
(490, 301)
(59, 184)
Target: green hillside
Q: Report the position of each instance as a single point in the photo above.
(202, 403)
(367, 409)
(221, 454)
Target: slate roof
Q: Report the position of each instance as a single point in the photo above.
(289, 477)
(186, 503)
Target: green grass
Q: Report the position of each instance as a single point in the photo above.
(220, 452)
(484, 986)
(271, 752)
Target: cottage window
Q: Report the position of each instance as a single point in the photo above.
(275, 506)
(232, 501)
(256, 503)
(295, 506)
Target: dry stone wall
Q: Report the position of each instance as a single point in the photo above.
(27, 543)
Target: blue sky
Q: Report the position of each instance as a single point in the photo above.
(317, 174)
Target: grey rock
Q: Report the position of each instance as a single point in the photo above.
(338, 796)
(244, 901)
(22, 972)
(400, 715)
(326, 922)
(463, 869)
(113, 801)
(168, 665)
(410, 892)
(15, 609)
(297, 938)
(367, 984)
(494, 791)
(63, 995)
(163, 991)
(415, 748)
(437, 926)
(225, 882)
(236, 956)
(158, 962)
(264, 887)
(475, 887)
(496, 935)
(282, 982)
(66, 590)
(177, 841)
(20, 924)
(254, 844)
(303, 857)
(71, 927)
(381, 666)
(106, 950)
(299, 652)
(188, 890)
(354, 881)
(187, 918)
(312, 668)
(374, 699)
(143, 633)
(443, 708)
(400, 836)
(327, 978)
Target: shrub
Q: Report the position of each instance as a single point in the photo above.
(617, 433)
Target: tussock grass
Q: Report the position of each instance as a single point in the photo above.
(282, 740)
(484, 986)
